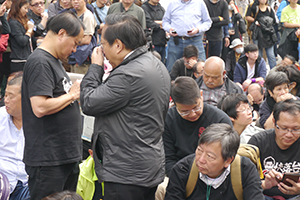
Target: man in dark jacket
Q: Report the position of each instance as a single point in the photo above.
(130, 108)
(214, 82)
(250, 68)
(154, 13)
(217, 147)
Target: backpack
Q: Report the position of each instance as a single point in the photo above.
(247, 150)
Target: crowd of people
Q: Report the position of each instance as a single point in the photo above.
(173, 93)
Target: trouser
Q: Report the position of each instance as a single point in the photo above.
(46, 180)
(118, 191)
(176, 51)
(20, 192)
(162, 51)
(270, 54)
(215, 48)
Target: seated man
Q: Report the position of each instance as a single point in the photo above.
(217, 147)
(279, 149)
(183, 66)
(198, 69)
(278, 90)
(12, 141)
(237, 107)
(255, 95)
(250, 68)
(187, 120)
(214, 82)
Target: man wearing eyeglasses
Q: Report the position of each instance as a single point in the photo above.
(37, 14)
(279, 149)
(187, 120)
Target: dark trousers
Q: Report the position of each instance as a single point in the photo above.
(46, 180)
(117, 191)
(215, 48)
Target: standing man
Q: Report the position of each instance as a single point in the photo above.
(154, 13)
(129, 7)
(185, 21)
(39, 16)
(100, 12)
(218, 12)
(80, 60)
(51, 115)
(130, 108)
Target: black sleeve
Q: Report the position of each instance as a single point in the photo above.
(5, 25)
(175, 72)
(18, 32)
(251, 181)
(149, 21)
(225, 15)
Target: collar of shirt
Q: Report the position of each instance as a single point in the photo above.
(131, 52)
(215, 182)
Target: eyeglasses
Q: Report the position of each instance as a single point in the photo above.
(38, 4)
(250, 108)
(286, 130)
(185, 113)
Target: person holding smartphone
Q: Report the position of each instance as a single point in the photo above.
(279, 150)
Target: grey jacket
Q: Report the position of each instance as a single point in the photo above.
(129, 109)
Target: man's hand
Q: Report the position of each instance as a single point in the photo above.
(250, 99)
(44, 15)
(270, 179)
(75, 90)
(246, 83)
(289, 190)
(2, 9)
(297, 32)
(227, 42)
(97, 56)
(172, 34)
(194, 31)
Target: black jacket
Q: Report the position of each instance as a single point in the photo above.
(153, 13)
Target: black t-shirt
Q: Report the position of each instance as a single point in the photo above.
(52, 139)
(181, 136)
(272, 157)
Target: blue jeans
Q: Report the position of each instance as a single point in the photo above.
(176, 51)
(20, 193)
(270, 54)
(162, 51)
(215, 48)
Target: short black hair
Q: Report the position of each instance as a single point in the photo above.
(231, 102)
(126, 28)
(290, 57)
(68, 21)
(274, 79)
(223, 133)
(190, 51)
(250, 48)
(292, 72)
(185, 90)
(290, 106)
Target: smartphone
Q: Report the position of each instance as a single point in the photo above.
(189, 31)
(291, 176)
(174, 32)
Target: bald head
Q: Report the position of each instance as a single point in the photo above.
(257, 93)
(214, 72)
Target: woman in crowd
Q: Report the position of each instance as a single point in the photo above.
(22, 41)
(262, 27)
(294, 76)
(237, 107)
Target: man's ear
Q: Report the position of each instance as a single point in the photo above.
(228, 161)
(232, 119)
(292, 85)
(61, 33)
(119, 46)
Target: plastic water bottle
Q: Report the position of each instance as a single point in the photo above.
(230, 24)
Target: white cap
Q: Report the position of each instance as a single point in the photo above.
(235, 43)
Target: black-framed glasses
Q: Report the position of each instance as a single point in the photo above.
(286, 130)
(38, 4)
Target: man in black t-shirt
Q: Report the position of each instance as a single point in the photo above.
(51, 115)
(279, 149)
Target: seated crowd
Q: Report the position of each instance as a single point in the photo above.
(169, 130)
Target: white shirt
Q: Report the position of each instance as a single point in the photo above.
(11, 148)
(250, 71)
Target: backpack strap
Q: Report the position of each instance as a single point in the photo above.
(192, 180)
(236, 177)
